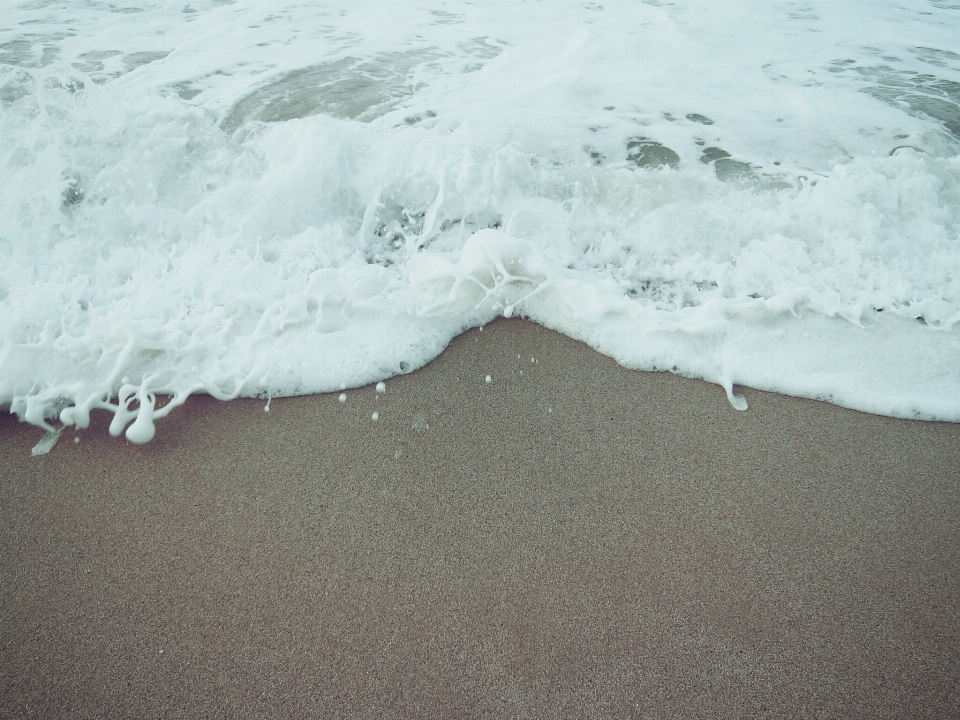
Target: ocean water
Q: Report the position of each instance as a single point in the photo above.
(265, 198)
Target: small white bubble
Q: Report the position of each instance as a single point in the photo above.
(489, 379)
(518, 357)
(343, 397)
(381, 387)
(549, 409)
(521, 372)
(481, 328)
(533, 360)
(76, 440)
(375, 416)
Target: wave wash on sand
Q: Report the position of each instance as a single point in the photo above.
(328, 198)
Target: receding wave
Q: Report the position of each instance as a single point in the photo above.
(301, 224)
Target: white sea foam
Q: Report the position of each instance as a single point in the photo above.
(265, 199)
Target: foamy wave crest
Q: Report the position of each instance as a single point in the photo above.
(148, 254)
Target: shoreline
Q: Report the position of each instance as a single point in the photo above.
(571, 539)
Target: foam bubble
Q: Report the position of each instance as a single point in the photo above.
(46, 443)
(375, 416)
(381, 387)
(143, 430)
(343, 397)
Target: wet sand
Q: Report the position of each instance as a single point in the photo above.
(577, 541)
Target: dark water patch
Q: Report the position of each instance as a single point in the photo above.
(928, 97)
(33, 53)
(17, 52)
(840, 65)
(73, 194)
(919, 94)
(697, 118)
(934, 56)
(741, 173)
(730, 170)
(803, 11)
(186, 90)
(101, 66)
(481, 51)
(446, 18)
(137, 59)
(16, 88)
(92, 64)
(711, 154)
(647, 153)
(416, 119)
(72, 85)
(349, 89)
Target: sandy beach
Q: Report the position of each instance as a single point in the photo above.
(570, 540)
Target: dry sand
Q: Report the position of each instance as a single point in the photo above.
(642, 550)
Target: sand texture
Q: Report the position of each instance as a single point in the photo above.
(579, 541)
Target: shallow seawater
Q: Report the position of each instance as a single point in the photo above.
(259, 198)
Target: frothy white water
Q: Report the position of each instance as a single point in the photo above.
(259, 199)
